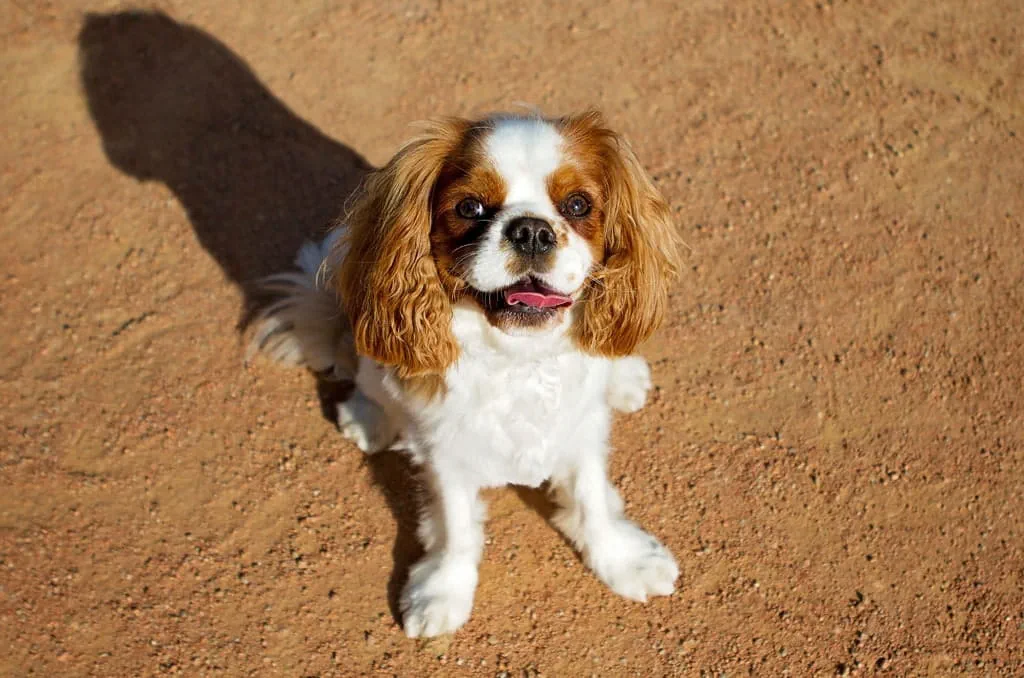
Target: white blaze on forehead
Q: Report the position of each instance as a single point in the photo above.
(525, 152)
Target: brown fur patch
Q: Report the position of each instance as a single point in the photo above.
(626, 297)
(466, 174)
(389, 283)
(581, 176)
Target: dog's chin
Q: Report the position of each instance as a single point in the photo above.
(527, 304)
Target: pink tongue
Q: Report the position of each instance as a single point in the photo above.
(536, 299)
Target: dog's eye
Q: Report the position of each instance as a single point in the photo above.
(470, 208)
(576, 206)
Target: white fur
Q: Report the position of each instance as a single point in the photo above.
(304, 327)
(365, 423)
(525, 152)
(519, 407)
(630, 382)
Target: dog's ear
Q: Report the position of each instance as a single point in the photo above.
(627, 296)
(387, 279)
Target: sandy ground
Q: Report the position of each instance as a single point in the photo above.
(834, 451)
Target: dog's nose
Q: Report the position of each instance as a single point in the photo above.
(530, 235)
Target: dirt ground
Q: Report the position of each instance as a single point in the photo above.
(835, 450)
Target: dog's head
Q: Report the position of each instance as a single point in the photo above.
(542, 225)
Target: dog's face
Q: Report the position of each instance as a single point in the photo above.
(543, 225)
(518, 223)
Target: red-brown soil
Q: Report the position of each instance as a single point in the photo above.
(835, 450)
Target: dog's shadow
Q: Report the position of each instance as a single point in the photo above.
(394, 475)
(173, 104)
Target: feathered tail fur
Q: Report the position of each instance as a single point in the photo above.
(304, 326)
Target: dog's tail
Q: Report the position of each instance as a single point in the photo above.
(304, 326)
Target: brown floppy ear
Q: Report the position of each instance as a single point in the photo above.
(628, 295)
(387, 280)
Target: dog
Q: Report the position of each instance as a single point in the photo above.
(486, 293)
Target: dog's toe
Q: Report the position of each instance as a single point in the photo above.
(634, 564)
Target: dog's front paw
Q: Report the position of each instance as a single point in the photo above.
(364, 423)
(438, 597)
(633, 563)
(629, 383)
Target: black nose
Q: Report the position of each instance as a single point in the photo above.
(530, 235)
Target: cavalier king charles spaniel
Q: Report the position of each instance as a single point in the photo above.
(486, 293)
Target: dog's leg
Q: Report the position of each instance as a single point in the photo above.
(369, 416)
(628, 384)
(438, 597)
(365, 423)
(630, 561)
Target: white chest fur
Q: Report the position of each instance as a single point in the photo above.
(513, 408)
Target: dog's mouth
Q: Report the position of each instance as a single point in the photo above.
(528, 297)
(531, 294)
